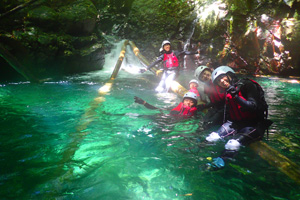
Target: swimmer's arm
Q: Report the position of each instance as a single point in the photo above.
(250, 92)
(159, 59)
(147, 105)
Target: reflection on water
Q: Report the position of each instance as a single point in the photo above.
(127, 151)
(59, 141)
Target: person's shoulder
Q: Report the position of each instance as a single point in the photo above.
(245, 81)
(248, 85)
(161, 57)
(176, 52)
(251, 82)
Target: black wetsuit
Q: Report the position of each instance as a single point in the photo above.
(247, 111)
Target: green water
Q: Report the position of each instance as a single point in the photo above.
(128, 152)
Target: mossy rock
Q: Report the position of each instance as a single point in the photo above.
(78, 18)
(43, 17)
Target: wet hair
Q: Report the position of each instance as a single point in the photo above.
(233, 77)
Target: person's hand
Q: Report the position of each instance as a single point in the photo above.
(143, 70)
(201, 107)
(232, 91)
(138, 100)
(158, 72)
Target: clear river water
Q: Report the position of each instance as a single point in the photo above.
(62, 140)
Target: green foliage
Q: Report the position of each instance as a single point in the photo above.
(113, 15)
(6, 5)
(77, 11)
(159, 20)
(43, 16)
(63, 29)
(241, 7)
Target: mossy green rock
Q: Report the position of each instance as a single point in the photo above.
(43, 16)
(78, 18)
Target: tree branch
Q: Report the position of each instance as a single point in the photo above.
(17, 8)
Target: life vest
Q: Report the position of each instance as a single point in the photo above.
(237, 113)
(194, 90)
(214, 92)
(170, 60)
(183, 111)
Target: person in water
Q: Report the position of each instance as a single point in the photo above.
(247, 109)
(193, 85)
(216, 98)
(186, 108)
(170, 65)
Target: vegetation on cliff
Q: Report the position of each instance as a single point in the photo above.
(62, 37)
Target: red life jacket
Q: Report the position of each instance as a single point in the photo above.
(214, 92)
(183, 111)
(235, 110)
(170, 60)
(194, 90)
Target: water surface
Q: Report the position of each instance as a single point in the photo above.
(59, 141)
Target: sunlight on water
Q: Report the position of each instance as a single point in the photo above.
(59, 141)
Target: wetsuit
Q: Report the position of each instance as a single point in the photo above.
(170, 67)
(182, 110)
(179, 110)
(247, 113)
(215, 114)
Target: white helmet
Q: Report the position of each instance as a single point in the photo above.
(194, 81)
(164, 43)
(222, 70)
(191, 95)
(199, 70)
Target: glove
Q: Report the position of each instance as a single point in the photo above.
(158, 72)
(139, 100)
(201, 107)
(143, 70)
(232, 91)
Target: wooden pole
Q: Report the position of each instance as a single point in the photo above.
(277, 160)
(88, 117)
(120, 60)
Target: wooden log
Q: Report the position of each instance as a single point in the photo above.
(120, 60)
(88, 117)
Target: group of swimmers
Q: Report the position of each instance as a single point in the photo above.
(236, 105)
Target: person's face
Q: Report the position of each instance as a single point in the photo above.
(167, 47)
(188, 102)
(223, 82)
(193, 85)
(205, 76)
